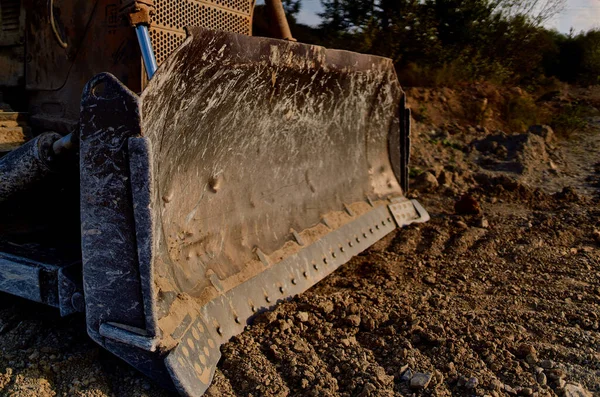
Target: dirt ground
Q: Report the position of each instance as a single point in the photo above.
(499, 294)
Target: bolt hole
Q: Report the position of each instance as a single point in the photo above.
(350, 244)
(325, 260)
(220, 331)
(316, 266)
(342, 249)
(237, 320)
(377, 227)
(333, 254)
(365, 235)
(99, 90)
(294, 281)
(281, 289)
(268, 299)
(305, 274)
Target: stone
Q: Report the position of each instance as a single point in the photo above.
(439, 377)
(462, 225)
(446, 178)
(368, 390)
(402, 369)
(497, 385)
(556, 374)
(544, 131)
(531, 359)
(483, 223)
(353, 320)
(472, 383)
(526, 391)
(467, 205)
(420, 380)
(541, 379)
(431, 280)
(547, 364)
(576, 390)
(302, 316)
(426, 181)
(524, 349)
(406, 376)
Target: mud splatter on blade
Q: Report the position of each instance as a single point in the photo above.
(247, 171)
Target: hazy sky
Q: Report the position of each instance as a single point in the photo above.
(579, 14)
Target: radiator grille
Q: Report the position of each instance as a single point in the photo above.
(10, 13)
(172, 16)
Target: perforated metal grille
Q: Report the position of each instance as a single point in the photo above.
(172, 16)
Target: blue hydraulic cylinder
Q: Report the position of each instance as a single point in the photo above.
(147, 52)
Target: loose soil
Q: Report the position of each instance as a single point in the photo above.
(498, 296)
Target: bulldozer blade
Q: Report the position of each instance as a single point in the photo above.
(247, 171)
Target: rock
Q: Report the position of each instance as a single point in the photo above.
(302, 316)
(462, 225)
(556, 374)
(576, 390)
(472, 383)
(467, 205)
(483, 223)
(487, 146)
(402, 369)
(406, 376)
(353, 320)
(446, 178)
(431, 280)
(439, 377)
(368, 390)
(531, 358)
(420, 380)
(426, 181)
(541, 379)
(510, 390)
(526, 391)
(497, 385)
(596, 236)
(326, 306)
(544, 131)
(547, 364)
(524, 350)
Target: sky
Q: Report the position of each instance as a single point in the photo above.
(579, 14)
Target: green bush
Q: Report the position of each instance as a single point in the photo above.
(570, 119)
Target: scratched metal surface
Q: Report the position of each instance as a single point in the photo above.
(253, 137)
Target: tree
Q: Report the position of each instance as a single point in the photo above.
(292, 7)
